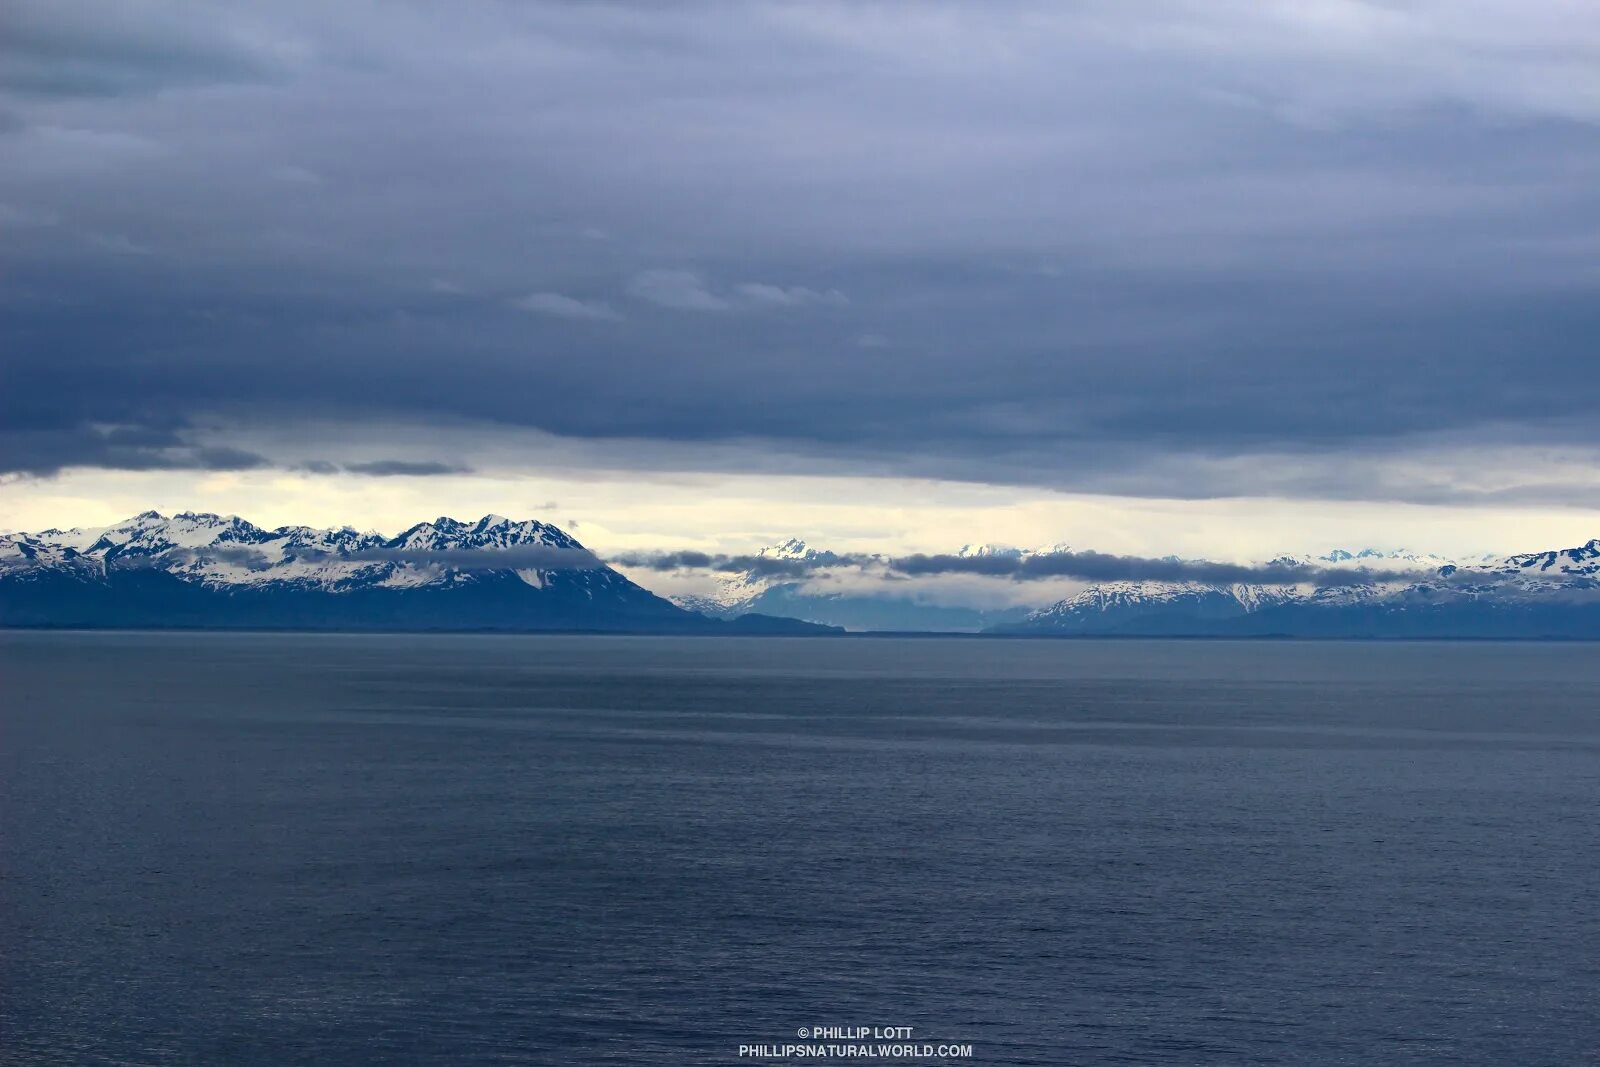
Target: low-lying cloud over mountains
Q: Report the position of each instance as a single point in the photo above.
(1019, 566)
(205, 570)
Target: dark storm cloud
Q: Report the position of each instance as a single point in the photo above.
(1106, 567)
(46, 449)
(234, 555)
(1086, 566)
(760, 566)
(71, 48)
(390, 468)
(1164, 248)
(383, 468)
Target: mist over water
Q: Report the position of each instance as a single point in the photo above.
(274, 849)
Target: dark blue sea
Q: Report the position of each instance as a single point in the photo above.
(346, 850)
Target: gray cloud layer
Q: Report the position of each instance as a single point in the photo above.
(1087, 565)
(1093, 245)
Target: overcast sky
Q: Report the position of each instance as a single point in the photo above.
(1164, 276)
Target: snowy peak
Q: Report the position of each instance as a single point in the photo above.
(225, 551)
(796, 550)
(735, 592)
(491, 531)
(1583, 560)
(214, 571)
(793, 548)
(1390, 559)
(1411, 593)
(987, 550)
(150, 534)
(23, 553)
(344, 539)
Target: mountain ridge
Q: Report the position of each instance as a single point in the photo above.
(203, 570)
(1411, 593)
(798, 598)
(1553, 593)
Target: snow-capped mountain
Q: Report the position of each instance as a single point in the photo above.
(1107, 607)
(1150, 606)
(1374, 557)
(1538, 594)
(886, 609)
(226, 552)
(1583, 561)
(989, 550)
(738, 593)
(204, 570)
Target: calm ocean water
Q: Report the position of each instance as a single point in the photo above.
(346, 850)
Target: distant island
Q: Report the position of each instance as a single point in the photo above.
(206, 571)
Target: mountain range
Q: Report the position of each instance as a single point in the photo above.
(878, 610)
(1553, 593)
(211, 571)
(1549, 594)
